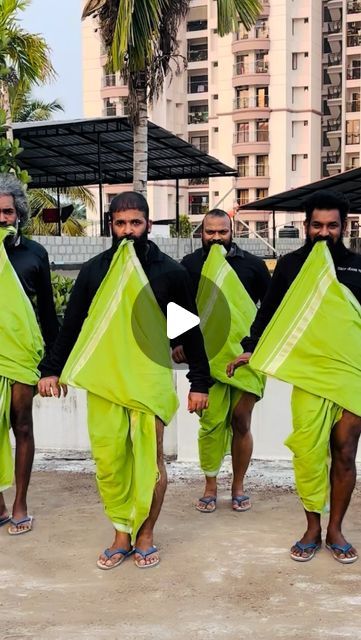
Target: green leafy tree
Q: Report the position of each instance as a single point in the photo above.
(141, 39)
(185, 227)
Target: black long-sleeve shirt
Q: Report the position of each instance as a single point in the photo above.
(31, 263)
(169, 282)
(250, 269)
(348, 271)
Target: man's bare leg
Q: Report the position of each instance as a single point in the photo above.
(4, 513)
(242, 445)
(344, 440)
(210, 491)
(312, 535)
(145, 534)
(22, 425)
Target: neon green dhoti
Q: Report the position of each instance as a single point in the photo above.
(21, 349)
(304, 346)
(215, 434)
(126, 390)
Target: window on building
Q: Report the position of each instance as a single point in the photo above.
(262, 133)
(242, 98)
(262, 166)
(294, 61)
(243, 166)
(262, 228)
(352, 131)
(261, 96)
(242, 196)
(242, 64)
(201, 142)
(198, 204)
(242, 132)
(294, 162)
(261, 193)
(261, 62)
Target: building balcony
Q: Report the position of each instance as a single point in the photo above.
(334, 60)
(197, 86)
(244, 137)
(354, 106)
(256, 171)
(197, 209)
(334, 124)
(354, 73)
(334, 93)
(251, 103)
(198, 117)
(118, 109)
(259, 66)
(353, 6)
(197, 25)
(198, 182)
(335, 27)
(197, 55)
(354, 39)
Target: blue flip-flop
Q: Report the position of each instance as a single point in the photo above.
(342, 549)
(144, 555)
(4, 520)
(16, 523)
(207, 500)
(239, 500)
(125, 553)
(313, 547)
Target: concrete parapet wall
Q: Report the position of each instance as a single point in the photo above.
(65, 250)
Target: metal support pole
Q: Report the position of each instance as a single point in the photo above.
(177, 220)
(100, 173)
(58, 205)
(274, 233)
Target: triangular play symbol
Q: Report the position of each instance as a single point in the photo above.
(179, 320)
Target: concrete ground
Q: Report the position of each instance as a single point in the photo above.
(222, 576)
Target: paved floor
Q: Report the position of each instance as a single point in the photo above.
(223, 576)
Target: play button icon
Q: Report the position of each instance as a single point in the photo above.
(179, 320)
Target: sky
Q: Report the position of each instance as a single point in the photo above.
(59, 22)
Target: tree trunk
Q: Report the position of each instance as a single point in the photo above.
(5, 105)
(140, 142)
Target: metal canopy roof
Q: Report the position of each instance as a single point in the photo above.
(348, 182)
(83, 152)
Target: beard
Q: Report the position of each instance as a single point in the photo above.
(140, 243)
(334, 247)
(207, 245)
(11, 238)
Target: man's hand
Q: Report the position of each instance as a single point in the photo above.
(178, 355)
(50, 386)
(244, 358)
(197, 401)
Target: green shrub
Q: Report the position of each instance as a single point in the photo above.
(62, 288)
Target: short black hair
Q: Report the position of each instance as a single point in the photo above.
(218, 213)
(129, 200)
(326, 199)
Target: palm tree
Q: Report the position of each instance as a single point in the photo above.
(24, 57)
(141, 39)
(25, 108)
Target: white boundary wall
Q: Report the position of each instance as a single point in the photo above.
(61, 424)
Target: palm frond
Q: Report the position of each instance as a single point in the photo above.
(230, 12)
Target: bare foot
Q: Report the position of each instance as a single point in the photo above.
(311, 537)
(341, 550)
(145, 553)
(109, 559)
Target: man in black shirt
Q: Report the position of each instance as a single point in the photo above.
(31, 264)
(254, 275)
(170, 283)
(326, 219)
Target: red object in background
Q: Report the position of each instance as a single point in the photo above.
(50, 215)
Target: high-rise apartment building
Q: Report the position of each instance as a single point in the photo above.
(281, 102)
